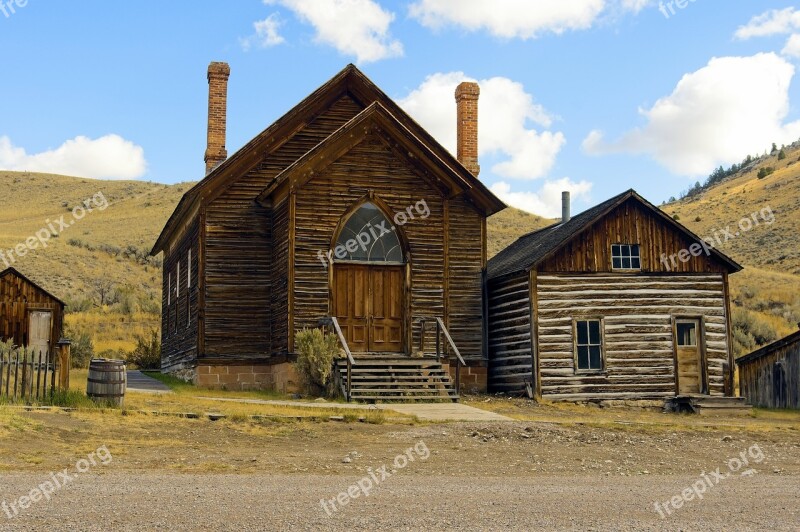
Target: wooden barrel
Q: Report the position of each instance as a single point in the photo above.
(107, 380)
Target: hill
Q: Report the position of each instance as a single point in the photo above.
(756, 220)
(95, 261)
(100, 267)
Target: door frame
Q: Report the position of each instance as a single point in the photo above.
(384, 207)
(701, 351)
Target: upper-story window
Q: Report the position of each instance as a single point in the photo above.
(625, 257)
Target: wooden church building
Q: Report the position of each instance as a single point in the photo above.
(344, 207)
(620, 302)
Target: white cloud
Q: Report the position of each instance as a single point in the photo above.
(509, 18)
(108, 157)
(792, 48)
(716, 115)
(506, 114)
(354, 27)
(635, 5)
(547, 201)
(773, 22)
(266, 33)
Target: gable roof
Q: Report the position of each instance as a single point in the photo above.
(14, 271)
(532, 249)
(355, 130)
(350, 81)
(768, 349)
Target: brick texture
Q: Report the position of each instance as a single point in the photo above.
(467, 94)
(218, 74)
(278, 377)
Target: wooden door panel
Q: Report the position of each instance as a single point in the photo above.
(39, 326)
(350, 304)
(387, 309)
(689, 359)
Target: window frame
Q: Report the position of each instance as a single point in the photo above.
(630, 256)
(589, 371)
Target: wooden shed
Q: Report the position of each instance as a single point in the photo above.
(30, 316)
(600, 307)
(770, 376)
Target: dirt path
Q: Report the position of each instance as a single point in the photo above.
(408, 500)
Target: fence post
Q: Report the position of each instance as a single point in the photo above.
(64, 363)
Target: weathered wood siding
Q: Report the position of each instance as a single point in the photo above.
(374, 166)
(630, 223)
(243, 274)
(464, 258)
(773, 380)
(179, 311)
(638, 312)
(17, 298)
(510, 355)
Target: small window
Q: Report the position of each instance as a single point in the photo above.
(687, 334)
(625, 257)
(589, 345)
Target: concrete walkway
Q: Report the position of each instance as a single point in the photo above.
(423, 411)
(139, 382)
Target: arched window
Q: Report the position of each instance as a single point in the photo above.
(369, 236)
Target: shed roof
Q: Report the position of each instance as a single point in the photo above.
(767, 349)
(14, 271)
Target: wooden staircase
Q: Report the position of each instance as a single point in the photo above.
(708, 405)
(395, 379)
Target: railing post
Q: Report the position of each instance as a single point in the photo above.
(349, 380)
(458, 375)
(438, 347)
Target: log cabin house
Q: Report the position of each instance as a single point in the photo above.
(343, 208)
(770, 377)
(30, 316)
(599, 307)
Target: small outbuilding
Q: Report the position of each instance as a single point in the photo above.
(30, 316)
(770, 376)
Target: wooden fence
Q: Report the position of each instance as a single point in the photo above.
(27, 374)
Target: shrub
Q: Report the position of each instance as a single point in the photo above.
(782, 154)
(315, 354)
(765, 171)
(147, 353)
(82, 349)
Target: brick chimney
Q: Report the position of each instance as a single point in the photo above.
(467, 127)
(217, 114)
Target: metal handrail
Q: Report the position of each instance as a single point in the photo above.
(350, 360)
(440, 327)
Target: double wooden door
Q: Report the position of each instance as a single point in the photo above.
(368, 301)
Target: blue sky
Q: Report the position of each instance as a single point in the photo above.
(595, 96)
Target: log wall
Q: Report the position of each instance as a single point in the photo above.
(510, 349)
(638, 312)
(246, 252)
(374, 166)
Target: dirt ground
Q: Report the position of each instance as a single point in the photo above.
(563, 467)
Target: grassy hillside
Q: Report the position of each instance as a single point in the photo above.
(766, 295)
(99, 264)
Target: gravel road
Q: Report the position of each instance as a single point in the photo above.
(408, 500)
